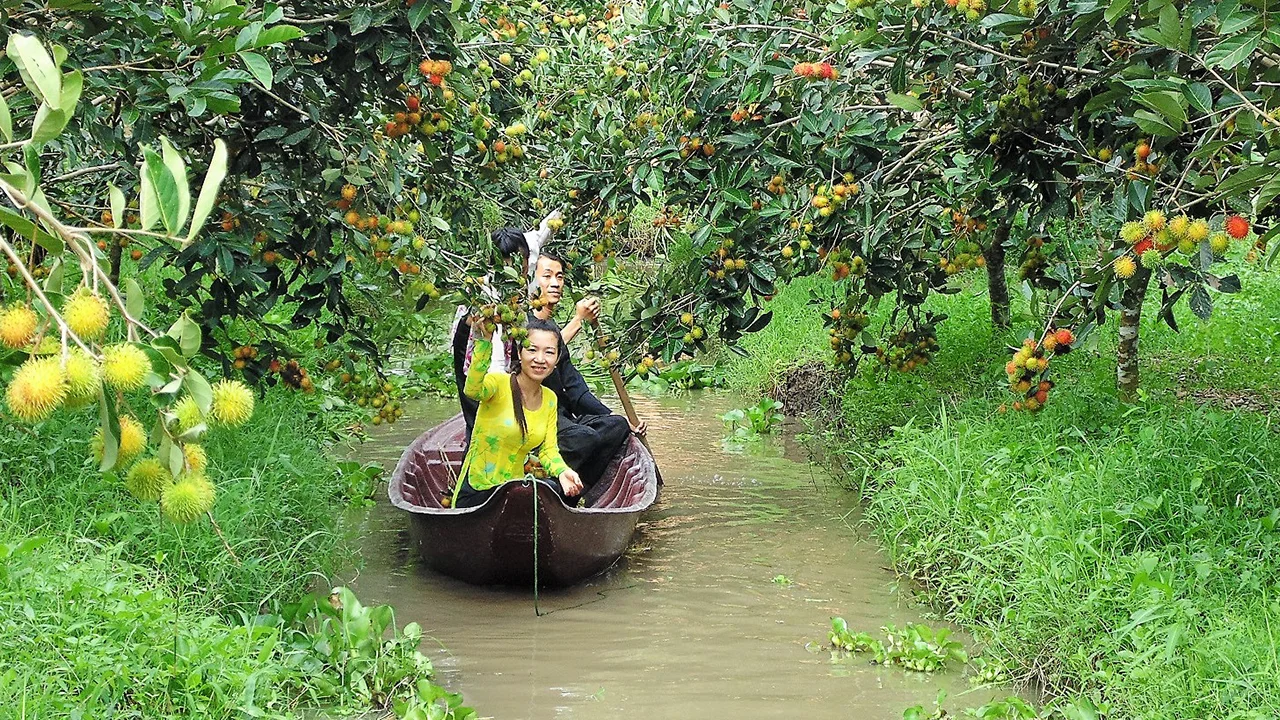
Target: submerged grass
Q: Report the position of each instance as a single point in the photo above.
(1129, 553)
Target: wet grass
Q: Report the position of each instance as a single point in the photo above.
(1127, 552)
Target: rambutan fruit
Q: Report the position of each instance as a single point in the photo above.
(196, 457)
(1132, 231)
(1179, 226)
(149, 480)
(17, 326)
(188, 498)
(39, 387)
(1125, 267)
(1237, 227)
(1219, 244)
(125, 366)
(86, 314)
(1064, 336)
(232, 402)
(1050, 342)
(1143, 246)
(1198, 230)
(84, 377)
(1151, 259)
(133, 440)
(1154, 221)
(188, 415)
(1187, 246)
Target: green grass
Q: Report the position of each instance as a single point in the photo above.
(277, 504)
(1126, 552)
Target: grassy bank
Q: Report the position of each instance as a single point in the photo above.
(1126, 552)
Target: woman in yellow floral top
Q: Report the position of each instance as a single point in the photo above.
(516, 416)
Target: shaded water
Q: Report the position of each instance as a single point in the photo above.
(691, 622)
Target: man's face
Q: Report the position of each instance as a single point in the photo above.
(549, 274)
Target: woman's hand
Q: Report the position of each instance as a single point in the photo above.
(570, 483)
(640, 428)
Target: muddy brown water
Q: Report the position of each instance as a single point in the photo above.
(691, 622)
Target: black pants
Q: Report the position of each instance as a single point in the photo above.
(588, 443)
(470, 497)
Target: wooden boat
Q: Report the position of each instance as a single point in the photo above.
(493, 543)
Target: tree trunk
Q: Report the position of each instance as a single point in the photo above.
(997, 284)
(1135, 293)
(115, 256)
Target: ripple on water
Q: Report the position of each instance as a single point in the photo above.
(690, 622)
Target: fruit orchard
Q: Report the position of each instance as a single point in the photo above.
(359, 152)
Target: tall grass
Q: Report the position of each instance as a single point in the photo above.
(1131, 553)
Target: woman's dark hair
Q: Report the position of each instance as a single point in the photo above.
(517, 397)
(510, 243)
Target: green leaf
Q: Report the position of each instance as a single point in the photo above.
(258, 67)
(27, 229)
(72, 85)
(278, 34)
(178, 169)
(1171, 105)
(187, 332)
(148, 205)
(361, 18)
(1005, 22)
(6, 121)
(134, 300)
(48, 124)
(1116, 9)
(1154, 124)
(37, 68)
(199, 390)
(419, 13)
(165, 188)
(1233, 50)
(1199, 95)
(116, 199)
(110, 424)
(1171, 28)
(906, 102)
(209, 191)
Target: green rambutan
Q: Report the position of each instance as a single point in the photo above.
(1198, 231)
(149, 480)
(1219, 243)
(187, 499)
(1151, 259)
(86, 314)
(232, 403)
(38, 388)
(1187, 246)
(187, 414)
(1132, 231)
(133, 440)
(125, 366)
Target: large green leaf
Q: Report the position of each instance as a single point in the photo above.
(178, 170)
(165, 188)
(6, 121)
(48, 124)
(1233, 51)
(258, 67)
(23, 227)
(148, 205)
(1171, 105)
(116, 199)
(38, 70)
(279, 34)
(209, 190)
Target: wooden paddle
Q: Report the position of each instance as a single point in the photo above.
(625, 397)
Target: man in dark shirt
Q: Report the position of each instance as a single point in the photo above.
(588, 432)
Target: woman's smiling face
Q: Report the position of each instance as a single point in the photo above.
(539, 355)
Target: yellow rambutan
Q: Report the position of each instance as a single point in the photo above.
(232, 402)
(84, 377)
(1198, 231)
(1219, 243)
(1154, 221)
(1179, 226)
(149, 480)
(18, 326)
(1132, 231)
(125, 366)
(1125, 267)
(86, 314)
(197, 459)
(188, 498)
(133, 440)
(38, 388)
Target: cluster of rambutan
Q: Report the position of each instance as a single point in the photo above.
(693, 145)
(1155, 237)
(816, 71)
(374, 392)
(721, 262)
(846, 325)
(828, 198)
(909, 349)
(970, 9)
(844, 263)
(968, 254)
(403, 122)
(435, 71)
(1030, 362)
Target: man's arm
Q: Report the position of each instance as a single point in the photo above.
(585, 311)
(577, 398)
